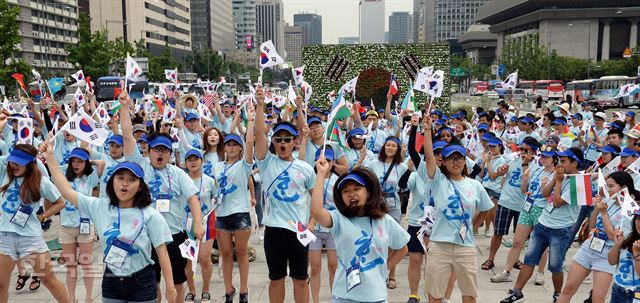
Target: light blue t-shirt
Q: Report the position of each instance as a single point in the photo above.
(169, 180)
(493, 184)
(376, 141)
(390, 187)
(233, 181)
(11, 202)
(511, 196)
(63, 148)
(615, 216)
(625, 275)
(523, 135)
(194, 140)
(312, 148)
(327, 194)
(210, 160)
(207, 191)
(565, 215)
(70, 215)
(147, 222)
(353, 155)
(367, 242)
(225, 126)
(536, 177)
(592, 153)
(418, 188)
(109, 166)
(285, 186)
(448, 215)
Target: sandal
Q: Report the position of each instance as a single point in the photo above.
(34, 281)
(517, 265)
(487, 265)
(22, 280)
(391, 283)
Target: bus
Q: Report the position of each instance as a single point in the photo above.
(496, 85)
(478, 88)
(104, 88)
(607, 88)
(527, 86)
(549, 89)
(579, 90)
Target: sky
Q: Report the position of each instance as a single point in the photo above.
(339, 17)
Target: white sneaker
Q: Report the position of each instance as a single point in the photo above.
(502, 276)
(539, 279)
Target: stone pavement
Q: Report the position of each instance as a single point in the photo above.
(259, 282)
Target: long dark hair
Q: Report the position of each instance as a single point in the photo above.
(206, 145)
(88, 169)
(375, 207)
(142, 198)
(397, 158)
(30, 187)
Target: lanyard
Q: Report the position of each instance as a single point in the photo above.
(226, 168)
(141, 225)
(457, 192)
(266, 193)
(155, 171)
(536, 178)
(326, 187)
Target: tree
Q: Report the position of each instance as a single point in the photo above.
(207, 64)
(9, 37)
(157, 64)
(118, 51)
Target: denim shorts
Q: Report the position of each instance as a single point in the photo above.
(138, 287)
(593, 260)
(335, 299)
(556, 239)
(17, 246)
(233, 222)
(322, 239)
(493, 194)
(620, 294)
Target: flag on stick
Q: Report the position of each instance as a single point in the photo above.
(580, 190)
(305, 236)
(268, 55)
(629, 206)
(393, 85)
(79, 76)
(25, 131)
(20, 79)
(409, 101)
(209, 225)
(86, 129)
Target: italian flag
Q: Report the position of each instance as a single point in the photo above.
(580, 189)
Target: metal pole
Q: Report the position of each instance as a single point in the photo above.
(589, 52)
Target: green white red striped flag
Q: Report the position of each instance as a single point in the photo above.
(580, 189)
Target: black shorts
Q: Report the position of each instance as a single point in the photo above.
(178, 263)
(503, 220)
(414, 245)
(281, 247)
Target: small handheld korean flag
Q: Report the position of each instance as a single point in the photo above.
(436, 84)
(511, 81)
(78, 76)
(422, 79)
(349, 87)
(268, 55)
(298, 75)
(189, 250)
(103, 114)
(79, 97)
(308, 91)
(86, 129)
(25, 131)
(169, 114)
(134, 72)
(629, 206)
(171, 75)
(305, 236)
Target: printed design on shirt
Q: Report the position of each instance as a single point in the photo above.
(65, 157)
(12, 200)
(388, 190)
(282, 186)
(154, 186)
(223, 185)
(68, 206)
(363, 245)
(113, 233)
(108, 172)
(207, 168)
(486, 175)
(515, 178)
(422, 204)
(195, 143)
(533, 188)
(454, 207)
(625, 276)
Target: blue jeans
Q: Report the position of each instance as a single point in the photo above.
(555, 239)
(138, 287)
(620, 295)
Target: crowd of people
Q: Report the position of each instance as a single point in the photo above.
(421, 184)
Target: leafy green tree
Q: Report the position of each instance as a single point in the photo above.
(118, 50)
(157, 64)
(9, 37)
(207, 64)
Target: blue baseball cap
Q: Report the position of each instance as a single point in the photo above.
(441, 121)
(453, 148)
(286, 128)
(437, 112)
(352, 177)
(161, 141)
(628, 152)
(559, 122)
(79, 153)
(494, 142)
(631, 114)
(526, 119)
(233, 137)
(608, 149)
(584, 103)
(394, 139)
(143, 138)
(483, 126)
(356, 132)
(329, 154)
(326, 112)
(577, 116)
(192, 116)
(569, 154)
(20, 157)
(549, 153)
(487, 137)
(130, 166)
(313, 119)
(193, 152)
(514, 119)
(439, 145)
(117, 139)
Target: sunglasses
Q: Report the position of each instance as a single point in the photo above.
(282, 139)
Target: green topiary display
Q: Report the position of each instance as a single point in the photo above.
(317, 59)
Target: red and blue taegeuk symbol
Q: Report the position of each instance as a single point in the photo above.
(85, 126)
(264, 58)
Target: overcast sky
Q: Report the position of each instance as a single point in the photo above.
(339, 17)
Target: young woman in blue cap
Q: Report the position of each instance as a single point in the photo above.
(23, 189)
(368, 241)
(76, 234)
(129, 228)
(208, 189)
(457, 198)
(357, 153)
(493, 169)
(233, 222)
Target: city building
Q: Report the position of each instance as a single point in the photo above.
(311, 28)
(243, 57)
(446, 20)
(598, 30)
(212, 25)
(479, 44)
(372, 21)
(400, 28)
(244, 20)
(270, 22)
(418, 19)
(159, 23)
(45, 29)
(349, 40)
(293, 41)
